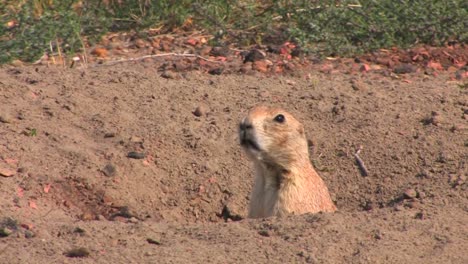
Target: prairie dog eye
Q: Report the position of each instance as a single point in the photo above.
(279, 118)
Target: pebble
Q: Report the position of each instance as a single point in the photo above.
(5, 172)
(414, 204)
(421, 195)
(219, 51)
(5, 118)
(169, 75)
(109, 170)
(140, 43)
(404, 68)
(87, 216)
(133, 220)
(153, 241)
(5, 231)
(29, 234)
(399, 208)
(264, 233)
(109, 135)
(201, 110)
(358, 85)
(410, 194)
(80, 252)
(216, 71)
(254, 55)
(136, 155)
(136, 139)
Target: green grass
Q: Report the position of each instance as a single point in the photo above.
(321, 26)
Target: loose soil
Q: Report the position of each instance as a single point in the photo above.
(79, 195)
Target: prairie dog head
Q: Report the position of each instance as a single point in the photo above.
(273, 137)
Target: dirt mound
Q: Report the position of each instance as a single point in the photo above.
(117, 160)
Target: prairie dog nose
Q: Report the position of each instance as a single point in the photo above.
(245, 124)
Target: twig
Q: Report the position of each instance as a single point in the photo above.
(156, 56)
(360, 163)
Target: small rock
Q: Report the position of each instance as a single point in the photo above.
(169, 75)
(219, 51)
(87, 216)
(153, 241)
(368, 206)
(420, 216)
(421, 195)
(404, 68)
(80, 252)
(5, 118)
(228, 214)
(101, 218)
(133, 220)
(254, 55)
(216, 71)
(109, 135)
(5, 172)
(264, 233)
(136, 155)
(205, 51)
(140, 43)
(435, 119)
(201, 110)
(410, 194)
(357, 85)
(79, 230)
(29, 234)
(109, 170)
(136, 139)
(5, 231)
(399, 208)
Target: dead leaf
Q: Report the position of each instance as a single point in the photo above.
(364, 68)
(99, 52)
(191, 42)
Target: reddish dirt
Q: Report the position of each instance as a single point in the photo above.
(66, 134)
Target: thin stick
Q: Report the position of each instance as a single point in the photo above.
(360, 163)
(62, 61)
(52, 51)
(156, 56)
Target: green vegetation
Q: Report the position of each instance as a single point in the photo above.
(29, 28)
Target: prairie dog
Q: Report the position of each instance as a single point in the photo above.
(285, 181)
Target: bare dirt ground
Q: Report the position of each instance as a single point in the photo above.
(112, 162)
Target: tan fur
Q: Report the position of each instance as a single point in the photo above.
(285, 181)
